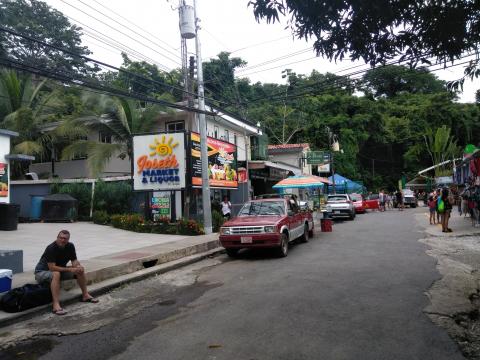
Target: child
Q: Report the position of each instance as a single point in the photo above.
(432, 205)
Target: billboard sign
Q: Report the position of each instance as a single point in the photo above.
(159, 162)
(4, 180)
(222, 163)
(318, 157)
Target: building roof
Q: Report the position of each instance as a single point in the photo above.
(289, 147)
(8, 133)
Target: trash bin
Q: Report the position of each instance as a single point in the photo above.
(36, 207)
(9, 216)
(326, 223)
(5, 280)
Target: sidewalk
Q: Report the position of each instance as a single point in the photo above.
(110, 256)
(461, 226)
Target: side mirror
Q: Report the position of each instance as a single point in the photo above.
(290, 213)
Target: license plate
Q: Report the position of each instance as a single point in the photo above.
(246, 239)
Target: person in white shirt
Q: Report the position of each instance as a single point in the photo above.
(226, 208)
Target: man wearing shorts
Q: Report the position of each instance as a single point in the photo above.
(52, 268)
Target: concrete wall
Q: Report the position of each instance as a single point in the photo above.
(21, 194)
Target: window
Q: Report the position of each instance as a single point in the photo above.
(175, 126)
(105, 138)
(227, 136)
(215, 132)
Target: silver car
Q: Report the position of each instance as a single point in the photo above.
(340, 206)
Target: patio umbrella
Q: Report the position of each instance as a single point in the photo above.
(302, 182)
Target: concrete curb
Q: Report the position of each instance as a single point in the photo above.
(99, 288)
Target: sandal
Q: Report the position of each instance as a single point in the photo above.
(90, 300)
(60, 312)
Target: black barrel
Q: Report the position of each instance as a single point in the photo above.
(9, 216)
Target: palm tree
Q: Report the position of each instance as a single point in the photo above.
(441, 146)
(26, 105)
(121, 119)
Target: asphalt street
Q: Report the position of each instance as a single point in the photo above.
(355, 293)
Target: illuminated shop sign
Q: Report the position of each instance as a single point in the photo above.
(159, 162)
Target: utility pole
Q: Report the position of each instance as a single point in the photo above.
(207, 213)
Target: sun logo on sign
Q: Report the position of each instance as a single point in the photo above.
(162, 148)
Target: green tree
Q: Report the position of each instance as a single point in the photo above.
(36, 19)
(381, 30)
(118, 118)
(392, 80)
(442, 147)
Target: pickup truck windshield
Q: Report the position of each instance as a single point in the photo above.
(256, 208)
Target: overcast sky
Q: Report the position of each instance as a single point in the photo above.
(152, 34)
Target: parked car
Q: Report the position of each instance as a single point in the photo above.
(409, 199)
(267, 223)
(372, 202)
(358, 203)
(341, 206)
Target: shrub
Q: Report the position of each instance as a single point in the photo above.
(113, 197)
(217, 220)
(131, 222)
(189, 227)
(100, 217)
(80, 191)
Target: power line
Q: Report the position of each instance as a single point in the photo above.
(94, 85)
(133, 31)
(117, 45)
(267, 62)
(121, 32)
(11, 32)
(279, 66)
(138, 27)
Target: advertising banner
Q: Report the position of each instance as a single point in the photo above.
(160, 205)
(222, 164)
(3, 180)
(159, 162)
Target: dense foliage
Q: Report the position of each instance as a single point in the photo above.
(377, 31)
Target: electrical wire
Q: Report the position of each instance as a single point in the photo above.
(133, 31)
(138, 27)
(100, 63)
(94, 85)
(121, 32)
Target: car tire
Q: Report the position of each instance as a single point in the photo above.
(306, 234)
(352, 216)
(413, 206)
(232, 252)
(282, 251)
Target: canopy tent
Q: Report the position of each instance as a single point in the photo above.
(342, 184)
(302, 182)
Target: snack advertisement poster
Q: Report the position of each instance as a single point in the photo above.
(3, 180)
(222, 163)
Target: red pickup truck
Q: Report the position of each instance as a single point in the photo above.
(267, 223)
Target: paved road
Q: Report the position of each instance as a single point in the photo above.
(356, 293)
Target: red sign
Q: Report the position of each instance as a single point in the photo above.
(222, 170)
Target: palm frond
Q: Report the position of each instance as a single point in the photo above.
(99, 154)
(29, 148)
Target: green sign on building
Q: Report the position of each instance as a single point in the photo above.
(318, 157)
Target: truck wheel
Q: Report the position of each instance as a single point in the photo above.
(306, 235)
(232, 252)
(282, 251)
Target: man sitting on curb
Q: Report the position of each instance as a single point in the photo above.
(52, 268)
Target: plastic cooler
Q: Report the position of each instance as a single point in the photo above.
(5, 280)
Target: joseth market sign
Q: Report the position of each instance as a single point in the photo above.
(159, 162)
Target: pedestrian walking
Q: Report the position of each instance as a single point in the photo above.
(432, 206)
(382, 200)
(226, 208)
(399, 198)
(445, 205)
